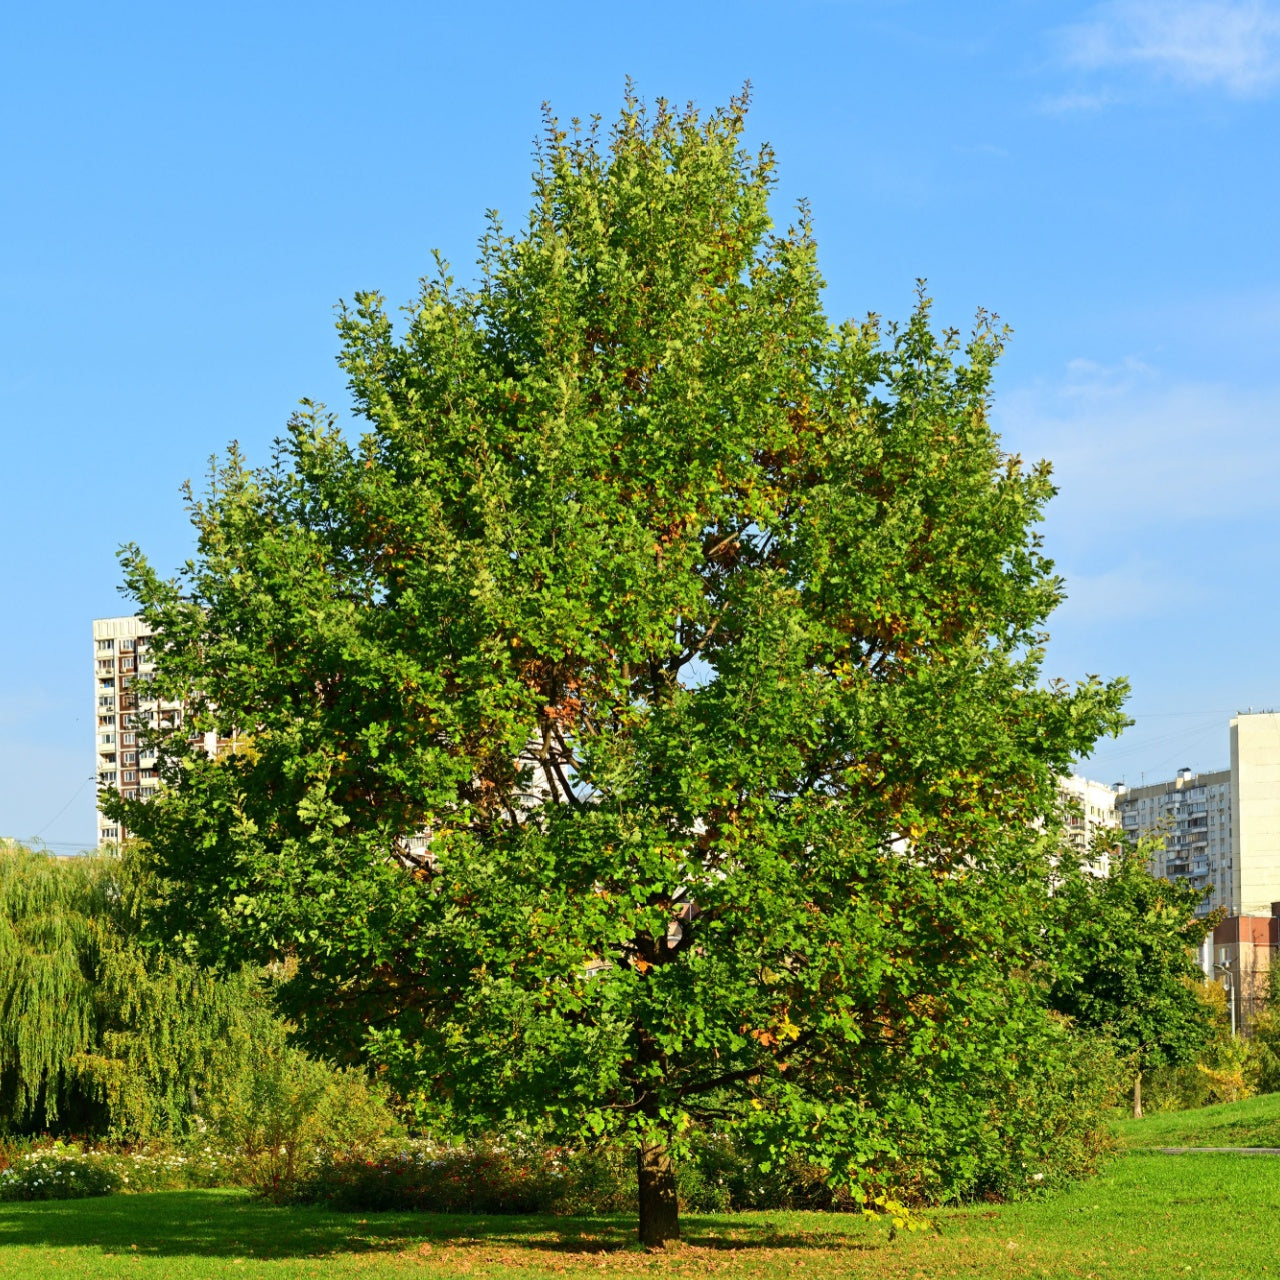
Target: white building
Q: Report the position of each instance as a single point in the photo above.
(120, 657)
(1090, 808)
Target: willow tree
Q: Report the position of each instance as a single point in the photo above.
(101, 1035)
(700, 637)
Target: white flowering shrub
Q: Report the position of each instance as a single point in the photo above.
(59, 1172)
(66, 1171)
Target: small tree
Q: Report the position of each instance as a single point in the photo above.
(701, 636)
(1128, 965)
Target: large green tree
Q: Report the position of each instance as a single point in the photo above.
(1127, 961)
(701, 636)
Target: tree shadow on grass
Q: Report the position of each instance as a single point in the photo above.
(231, 1224)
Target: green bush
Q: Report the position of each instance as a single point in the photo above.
(281, 1107)
(1223, 1072)
(1263, 1065)
(59, 1172)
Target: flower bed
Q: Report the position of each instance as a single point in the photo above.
(68, 1171)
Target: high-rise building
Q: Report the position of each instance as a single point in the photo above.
(1192, 817)
(1090, 808)
(1255, 799)
(120, 657)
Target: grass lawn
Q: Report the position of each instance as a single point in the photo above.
(1148, 1216)
(1255, 1123)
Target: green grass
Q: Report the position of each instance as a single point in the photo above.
(1255, 1123)
(1148, 1216)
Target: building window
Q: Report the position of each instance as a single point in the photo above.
(128, 739)
(129, 775)
(128, 645)
(105, 646)
(129, 757)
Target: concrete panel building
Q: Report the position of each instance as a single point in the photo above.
(120, 659)
(1192, 815)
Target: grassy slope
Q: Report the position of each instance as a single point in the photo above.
(1149, 1216)
(1255, 1123)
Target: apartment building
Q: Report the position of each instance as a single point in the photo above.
(1192, 817)
(120, 657)
(1220, 830)
(1090, 808)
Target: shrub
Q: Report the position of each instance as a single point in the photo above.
(1224, 1071)
(1263, 1065)
(59, 1172)
(489, 1176)
(282, 1107)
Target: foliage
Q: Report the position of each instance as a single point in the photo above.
(1264, 1039)
(57, 1170)
(517, 1175)
(1007, 1127)
(49, 948)
(1264, 1050)
(1220, 1071)
(703, 637)
(1127, 964)
(58, 1173)
(150, 1045)
(278, 1107)
(995, 1129)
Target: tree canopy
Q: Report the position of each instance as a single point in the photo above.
(1127, 964)
(702, 638)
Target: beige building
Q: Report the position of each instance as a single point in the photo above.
(1255, 799)
(120, 657)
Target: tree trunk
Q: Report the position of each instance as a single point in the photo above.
(659, 1209)
(1137, 1096)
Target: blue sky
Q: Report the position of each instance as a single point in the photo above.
(188, 190)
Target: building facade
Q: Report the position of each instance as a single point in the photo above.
(1255, 798)
(1191, 816)
(121, 661)
(1090, 808)
(1243, 948)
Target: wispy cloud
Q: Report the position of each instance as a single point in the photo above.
(1141, 457)
(1228, 44)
